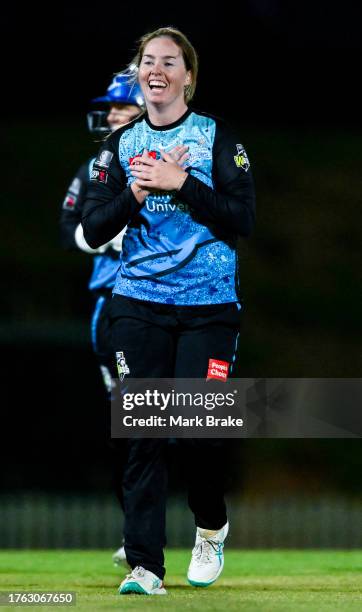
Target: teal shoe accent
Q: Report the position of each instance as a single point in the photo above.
(201, 584)
(132, 587)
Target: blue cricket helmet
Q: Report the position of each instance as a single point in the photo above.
(123, 90)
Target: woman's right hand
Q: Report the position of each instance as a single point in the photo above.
(179, 154)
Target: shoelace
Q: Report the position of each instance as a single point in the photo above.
(204, 549)
(137, 572)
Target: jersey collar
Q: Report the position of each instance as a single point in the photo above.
(170, 126)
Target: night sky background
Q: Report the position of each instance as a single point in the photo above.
(286, 77)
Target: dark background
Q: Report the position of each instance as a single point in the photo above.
(286, 77)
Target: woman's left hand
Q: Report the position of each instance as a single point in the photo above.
(158, 174)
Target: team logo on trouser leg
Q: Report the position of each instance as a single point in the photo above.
(218, 369)
(122, 366)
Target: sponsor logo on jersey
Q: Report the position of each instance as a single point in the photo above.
(241, 159)
(122, 367)
(152, 154)
(104, 159)
(75, 186)
(154, 206)
(69, 201)
(98, 175)
(218, 369)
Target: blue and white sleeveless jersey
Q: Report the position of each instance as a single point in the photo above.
(180, 247)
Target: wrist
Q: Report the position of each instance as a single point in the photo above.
(139, 193)
(181, 181)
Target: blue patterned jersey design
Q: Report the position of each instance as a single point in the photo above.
(104, 272)
(105, 268)
(168, 256)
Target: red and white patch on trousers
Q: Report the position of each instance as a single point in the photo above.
(218, 369)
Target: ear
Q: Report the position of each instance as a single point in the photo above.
(188, 79)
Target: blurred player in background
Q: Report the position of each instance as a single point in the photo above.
(124, 100)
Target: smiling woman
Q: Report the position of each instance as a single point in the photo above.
(163, 77)
(176, 293)
(182, 59)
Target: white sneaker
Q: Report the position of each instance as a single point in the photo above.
(119, 558)
(207, 560)
(143, 582)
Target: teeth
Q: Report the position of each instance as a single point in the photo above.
(156, 84)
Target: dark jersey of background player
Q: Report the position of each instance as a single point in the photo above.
(125, 100)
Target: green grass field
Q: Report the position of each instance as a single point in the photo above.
(252, 580)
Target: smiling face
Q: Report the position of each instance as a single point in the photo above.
(162, 74)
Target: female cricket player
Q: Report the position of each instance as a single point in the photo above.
(176, 292)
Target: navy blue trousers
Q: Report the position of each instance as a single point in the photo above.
(168, 341)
